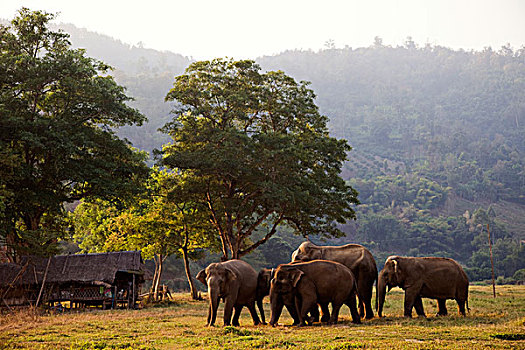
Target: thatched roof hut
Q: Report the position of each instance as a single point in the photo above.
(115, 270)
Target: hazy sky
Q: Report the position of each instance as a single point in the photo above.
(205, 29)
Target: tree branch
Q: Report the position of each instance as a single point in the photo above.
(264, 239)
(215, 222)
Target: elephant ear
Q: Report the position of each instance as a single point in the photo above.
(295, 276)
(397, 271)
(201, 276)
(230, 275)
(263, 278)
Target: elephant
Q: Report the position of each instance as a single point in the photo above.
(306, 284)
(436, 278)
(263, 289)
(235, 281)
(354, 256)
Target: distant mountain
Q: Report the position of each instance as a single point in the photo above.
(439, 146)
(147, 74)
(129, 58)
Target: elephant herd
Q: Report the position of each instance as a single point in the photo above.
(322, 275)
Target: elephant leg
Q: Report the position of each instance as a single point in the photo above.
(410, 298)
(300, 314)
(361, 307)
(461, 307)
(442, 307)
(325, 312)
(253, 312)
(228, 309)
(314, 314)
(236, 315)
(418, 305)
(303, 306)
(351, 303)
(292, 310)
(335, 312)
(365, 289)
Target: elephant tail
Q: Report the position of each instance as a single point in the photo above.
(358, 261)
(377, 285)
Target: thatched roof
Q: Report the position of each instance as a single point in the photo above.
(100, 267)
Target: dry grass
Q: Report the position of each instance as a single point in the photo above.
(492, 323)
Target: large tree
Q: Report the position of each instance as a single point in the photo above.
(57, 111)
(260, 150)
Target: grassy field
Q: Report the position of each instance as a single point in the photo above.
(491, 323)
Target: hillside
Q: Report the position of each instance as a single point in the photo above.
(437, 136)
(438, 144)
(147, 74)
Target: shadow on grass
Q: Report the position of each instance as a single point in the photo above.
(439, 321)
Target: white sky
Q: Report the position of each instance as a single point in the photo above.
(205, 29)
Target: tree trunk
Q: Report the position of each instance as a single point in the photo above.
(193, 289)
(155, 277)
(157, 282)
(235, 252)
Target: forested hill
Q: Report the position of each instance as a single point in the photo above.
(458, 117)
(438, 138)
(439, 145)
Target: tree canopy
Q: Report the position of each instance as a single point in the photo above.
(57, 145)
(259, 150)
(165, 219)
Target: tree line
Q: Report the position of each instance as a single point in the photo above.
(247, 160)
(249, 153)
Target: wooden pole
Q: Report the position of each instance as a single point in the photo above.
(133, 291)
(18, 275)
(491, 263)
(43, 282)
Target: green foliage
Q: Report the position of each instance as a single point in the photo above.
(391, 190)
(519, 275)
(163, 220)
(57, 108)
(260, 151)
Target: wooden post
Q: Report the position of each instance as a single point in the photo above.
(43, 282)
(133, 298)
(18, 275)
(491, 263)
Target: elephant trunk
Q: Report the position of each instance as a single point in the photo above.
(213, 294)
(276, 309)
(261, 309)
(380, 294)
